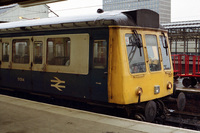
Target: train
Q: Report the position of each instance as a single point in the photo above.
(117, 58)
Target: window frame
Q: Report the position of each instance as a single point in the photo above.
(143, 55)
(8, 52)
(79, 55)
(163, 51)
(27, 40)
(153, 66)
(42, 53)
(104, 65)
(63, 59)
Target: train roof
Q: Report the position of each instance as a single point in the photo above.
(142, 18)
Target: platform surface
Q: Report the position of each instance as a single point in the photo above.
(25, 116)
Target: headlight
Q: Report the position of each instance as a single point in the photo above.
(169, 85)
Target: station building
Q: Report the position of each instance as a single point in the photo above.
(162, 7)
(16, 13)
(184, 37)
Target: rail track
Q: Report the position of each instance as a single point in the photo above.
(183, 119)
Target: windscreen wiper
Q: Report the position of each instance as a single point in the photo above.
(165, 43)
(138, 41)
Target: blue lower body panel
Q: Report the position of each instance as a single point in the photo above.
(68, 85)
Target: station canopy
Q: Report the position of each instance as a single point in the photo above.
(184, 37)
(183, 30)
(26, 3)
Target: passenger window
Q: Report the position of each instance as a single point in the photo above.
(165, 53)
(37, 52)
(58, 51)
(99, 54)
(21, 51)
(5, 52)
(135, 54)
(153, 54)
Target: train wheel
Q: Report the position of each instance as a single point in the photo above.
(198, 79)
(181, 101)
(186, 82)
(150, 111)
(161, 109)
(193, 81)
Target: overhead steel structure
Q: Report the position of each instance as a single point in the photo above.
(25, 3)
(184, 37)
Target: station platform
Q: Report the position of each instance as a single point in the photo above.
(25, 116)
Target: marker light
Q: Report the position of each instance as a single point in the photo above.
(169, 85)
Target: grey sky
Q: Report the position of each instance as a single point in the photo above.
(185, 10)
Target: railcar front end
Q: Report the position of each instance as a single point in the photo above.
(140, 67)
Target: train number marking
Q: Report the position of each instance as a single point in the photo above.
(20, 79)
(57, 85)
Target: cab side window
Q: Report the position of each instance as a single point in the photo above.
(100, 54)
(21, 52)
(37, 52)
(165, 53)
(5, 52)
(58, 51)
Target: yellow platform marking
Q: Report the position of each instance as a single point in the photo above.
(57, 85)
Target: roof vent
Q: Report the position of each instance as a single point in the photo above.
(100, 10)
(144, 17)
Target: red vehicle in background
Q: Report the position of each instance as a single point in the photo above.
(187, 67)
